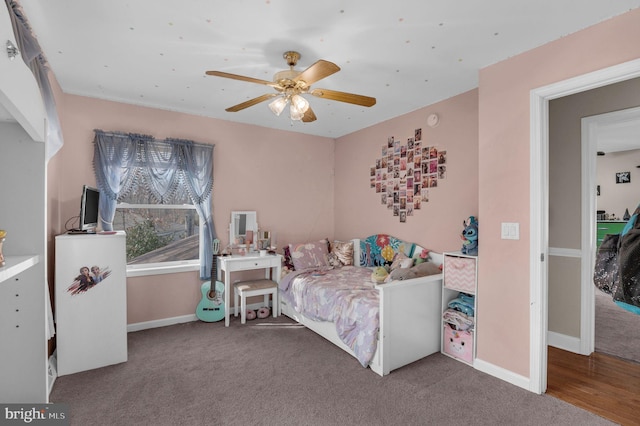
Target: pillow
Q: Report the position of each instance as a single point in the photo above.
(380, 249)
(288, 263)
(333, 261)
(309, 255)
(343, 251)
(365, 254)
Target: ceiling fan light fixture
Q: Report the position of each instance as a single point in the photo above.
(295, 113)
(277, 106)
(300, 102)
(291, 84)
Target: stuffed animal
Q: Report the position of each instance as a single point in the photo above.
(470, 236)
(379, 275)
(424, 256)
(427, 268)
(401, 274)
(420, 270)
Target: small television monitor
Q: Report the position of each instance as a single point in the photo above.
(89, 209)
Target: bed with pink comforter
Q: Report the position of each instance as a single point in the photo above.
(345, 296)
(384, 326)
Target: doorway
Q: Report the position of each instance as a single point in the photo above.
(539, 213)
(614, 136)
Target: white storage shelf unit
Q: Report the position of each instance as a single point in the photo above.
(23, 339)
(23, 280)
(460, 274)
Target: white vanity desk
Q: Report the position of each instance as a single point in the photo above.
(271, 263)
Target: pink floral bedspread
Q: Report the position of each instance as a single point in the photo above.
(345, 296)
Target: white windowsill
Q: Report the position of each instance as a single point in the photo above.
(141, 271)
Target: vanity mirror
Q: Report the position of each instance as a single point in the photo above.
(241, 222)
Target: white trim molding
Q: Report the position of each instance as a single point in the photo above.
(539, 212)
(139, 326)
(502, 374)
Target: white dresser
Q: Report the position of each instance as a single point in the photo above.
(91, 313)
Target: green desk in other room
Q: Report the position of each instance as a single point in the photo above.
(604, 227)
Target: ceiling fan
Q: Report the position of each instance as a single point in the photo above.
(291, 84)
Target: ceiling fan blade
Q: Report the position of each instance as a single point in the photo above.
(319, 70)
(251, 102)
(309, 116)
(241, 77)
(344, 97)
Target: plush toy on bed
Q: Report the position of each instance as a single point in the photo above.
(401, 274)
(420, 270)
(379, 275)
(470, 236)
(423, 257)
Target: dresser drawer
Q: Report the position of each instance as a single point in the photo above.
(460, 273)
(252, 263)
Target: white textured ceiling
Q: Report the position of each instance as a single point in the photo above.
(407, 53)
(620, 135)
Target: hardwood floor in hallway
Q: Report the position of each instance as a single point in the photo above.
(605, 385)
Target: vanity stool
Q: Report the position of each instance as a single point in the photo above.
(244, 289)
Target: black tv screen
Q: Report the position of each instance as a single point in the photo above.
(89, 208)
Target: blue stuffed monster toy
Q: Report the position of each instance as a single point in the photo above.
(470, 236)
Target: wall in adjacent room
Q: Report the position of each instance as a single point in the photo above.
(565, 191)
(617, 197)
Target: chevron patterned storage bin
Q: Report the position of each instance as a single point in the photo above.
(460, 273)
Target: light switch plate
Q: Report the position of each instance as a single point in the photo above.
(510, 231)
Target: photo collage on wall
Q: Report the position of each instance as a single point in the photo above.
(404, 174)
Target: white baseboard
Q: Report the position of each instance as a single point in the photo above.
(502, 374)
(562, 341)
(139, 326)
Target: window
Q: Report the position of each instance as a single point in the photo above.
(158, 235)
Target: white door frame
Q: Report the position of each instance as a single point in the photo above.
(591, 127)
(539, 203)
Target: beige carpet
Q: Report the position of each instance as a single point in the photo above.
(272, 372)
(617, 330)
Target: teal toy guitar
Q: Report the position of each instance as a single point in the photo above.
(211, 306)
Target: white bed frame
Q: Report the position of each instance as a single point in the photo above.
(410, 320)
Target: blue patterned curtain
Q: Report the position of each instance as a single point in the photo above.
(169, 165)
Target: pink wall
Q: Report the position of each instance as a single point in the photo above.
(504, 114)
(254, 169)
(489, 178)
(438, 224)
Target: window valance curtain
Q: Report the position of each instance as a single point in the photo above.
(169, 165)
